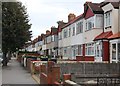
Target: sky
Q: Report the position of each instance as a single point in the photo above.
(44, 14)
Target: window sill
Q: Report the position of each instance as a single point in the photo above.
(89, 55)
(79, 33)
(79, 55)
(89, 29)
(106, 27)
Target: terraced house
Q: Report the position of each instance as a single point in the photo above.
(92, 36)
(78, 34)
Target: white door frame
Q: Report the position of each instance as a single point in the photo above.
(115, 41)
(99, 57)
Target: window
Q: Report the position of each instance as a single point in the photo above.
(73, 31)
(65, 33)
(89, 49)
(65, 51)
(60, 36)
(107, 19)
(74, 48)
(69, 32)
(90, 23)
(80, 49)
(79, 27)
(53, 38)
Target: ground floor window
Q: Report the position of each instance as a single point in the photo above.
(113, 51)
(74, 53)
(79, 49)
(65, 51)
(89, 49)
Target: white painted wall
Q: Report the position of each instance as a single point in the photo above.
(114, 18)
(43, 47)
(29, 48)
(91, 34)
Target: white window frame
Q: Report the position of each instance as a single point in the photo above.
(53, 38)
(90, 23)
(65, 53)
(107, 17)
(79, 27)
(60, 35)
(65, 33)
(87, 47)
(80, 50)
(69, 28)
(73, 31)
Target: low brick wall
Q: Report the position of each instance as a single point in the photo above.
(98, 69)
(49, 73)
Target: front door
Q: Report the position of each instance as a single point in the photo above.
(98, 51)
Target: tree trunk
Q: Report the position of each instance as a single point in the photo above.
(5, 60)
(9, 55)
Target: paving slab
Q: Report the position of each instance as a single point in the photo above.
(14, 73)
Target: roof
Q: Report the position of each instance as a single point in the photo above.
(54, 30)
(74, 20)
(103, 35)
(114, 36)
(96, 8)
(115, 4)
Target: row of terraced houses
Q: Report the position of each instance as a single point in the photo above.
(91, 36)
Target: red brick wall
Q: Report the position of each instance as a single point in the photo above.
(43, 78)
(106, 50)
(52, 75)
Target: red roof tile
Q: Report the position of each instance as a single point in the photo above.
(104, 35)
(114, 36)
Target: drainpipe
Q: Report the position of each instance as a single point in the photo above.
(119, 17)
(102, 39)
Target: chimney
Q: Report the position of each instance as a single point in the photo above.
(71, 16)
(47, 32)
(42, 36)
(61, 23)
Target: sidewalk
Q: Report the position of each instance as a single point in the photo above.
(14, 73)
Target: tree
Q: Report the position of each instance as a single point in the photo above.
(15, 27)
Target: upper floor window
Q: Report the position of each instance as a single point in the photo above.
(48, 39)
(65, 33)
(73, 31)
(108, 19)
(53, 38)
(60, 35)
(79, 27)
(90, 23)
(69, 32)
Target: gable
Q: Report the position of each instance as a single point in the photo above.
(89, 13)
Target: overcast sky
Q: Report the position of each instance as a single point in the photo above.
(44, 14)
